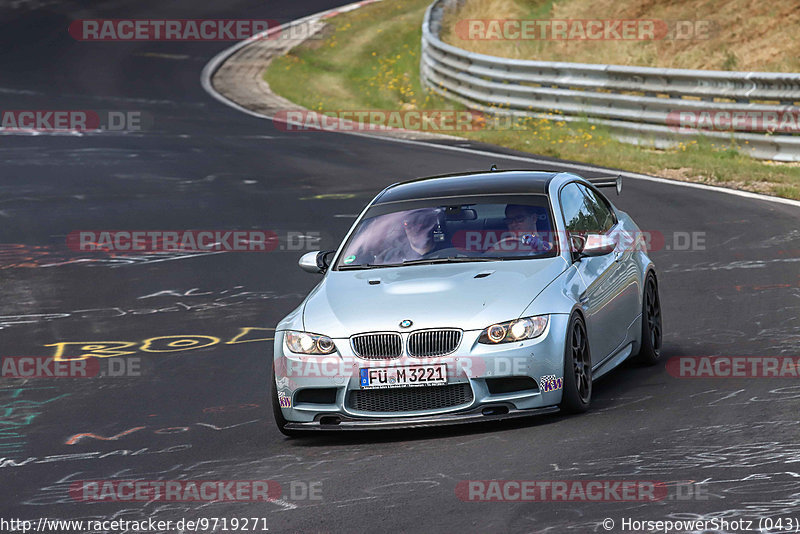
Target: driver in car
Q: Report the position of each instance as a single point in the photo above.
(521, 220)
(418, 229)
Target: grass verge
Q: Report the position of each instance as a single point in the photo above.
(368, 59)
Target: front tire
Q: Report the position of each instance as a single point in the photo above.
(577, 394)
(650, 351)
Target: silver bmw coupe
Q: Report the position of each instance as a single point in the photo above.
(467, 298)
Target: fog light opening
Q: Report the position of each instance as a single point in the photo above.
(495, 410)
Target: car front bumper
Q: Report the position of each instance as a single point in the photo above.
(475, 365)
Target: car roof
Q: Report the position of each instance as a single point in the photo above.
(477, 183)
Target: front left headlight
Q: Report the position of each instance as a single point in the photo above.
(305, 343)
(516, 330)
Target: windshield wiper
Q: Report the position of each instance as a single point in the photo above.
(421, 261)
(364, 266)
(452, 259)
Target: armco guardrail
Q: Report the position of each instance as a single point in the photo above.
(640, 105)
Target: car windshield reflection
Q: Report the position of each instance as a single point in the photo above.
(479, 230)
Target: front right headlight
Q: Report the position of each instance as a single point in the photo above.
(305, 343)
(516, 330)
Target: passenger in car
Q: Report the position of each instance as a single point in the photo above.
(523, 221)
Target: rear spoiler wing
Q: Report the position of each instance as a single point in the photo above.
(607, 181)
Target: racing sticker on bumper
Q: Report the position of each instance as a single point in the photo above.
(284, 400)
(550, 383)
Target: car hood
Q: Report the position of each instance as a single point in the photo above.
(470, 296)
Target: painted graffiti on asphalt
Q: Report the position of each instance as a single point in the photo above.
(80, 350)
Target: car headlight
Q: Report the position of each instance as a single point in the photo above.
(516, 330)
(305, 343)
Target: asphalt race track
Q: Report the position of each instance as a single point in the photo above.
(204, 413)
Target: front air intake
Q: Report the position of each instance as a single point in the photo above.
(410, 399)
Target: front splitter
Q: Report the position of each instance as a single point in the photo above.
(473, 416)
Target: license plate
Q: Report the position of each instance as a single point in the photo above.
(399, 377)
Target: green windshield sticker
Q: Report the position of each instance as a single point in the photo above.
(350, 259)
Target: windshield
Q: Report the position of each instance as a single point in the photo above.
(451, 230)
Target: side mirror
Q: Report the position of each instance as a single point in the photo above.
(315, 262)
(597, 245)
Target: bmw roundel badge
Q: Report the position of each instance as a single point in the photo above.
(406, 323)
